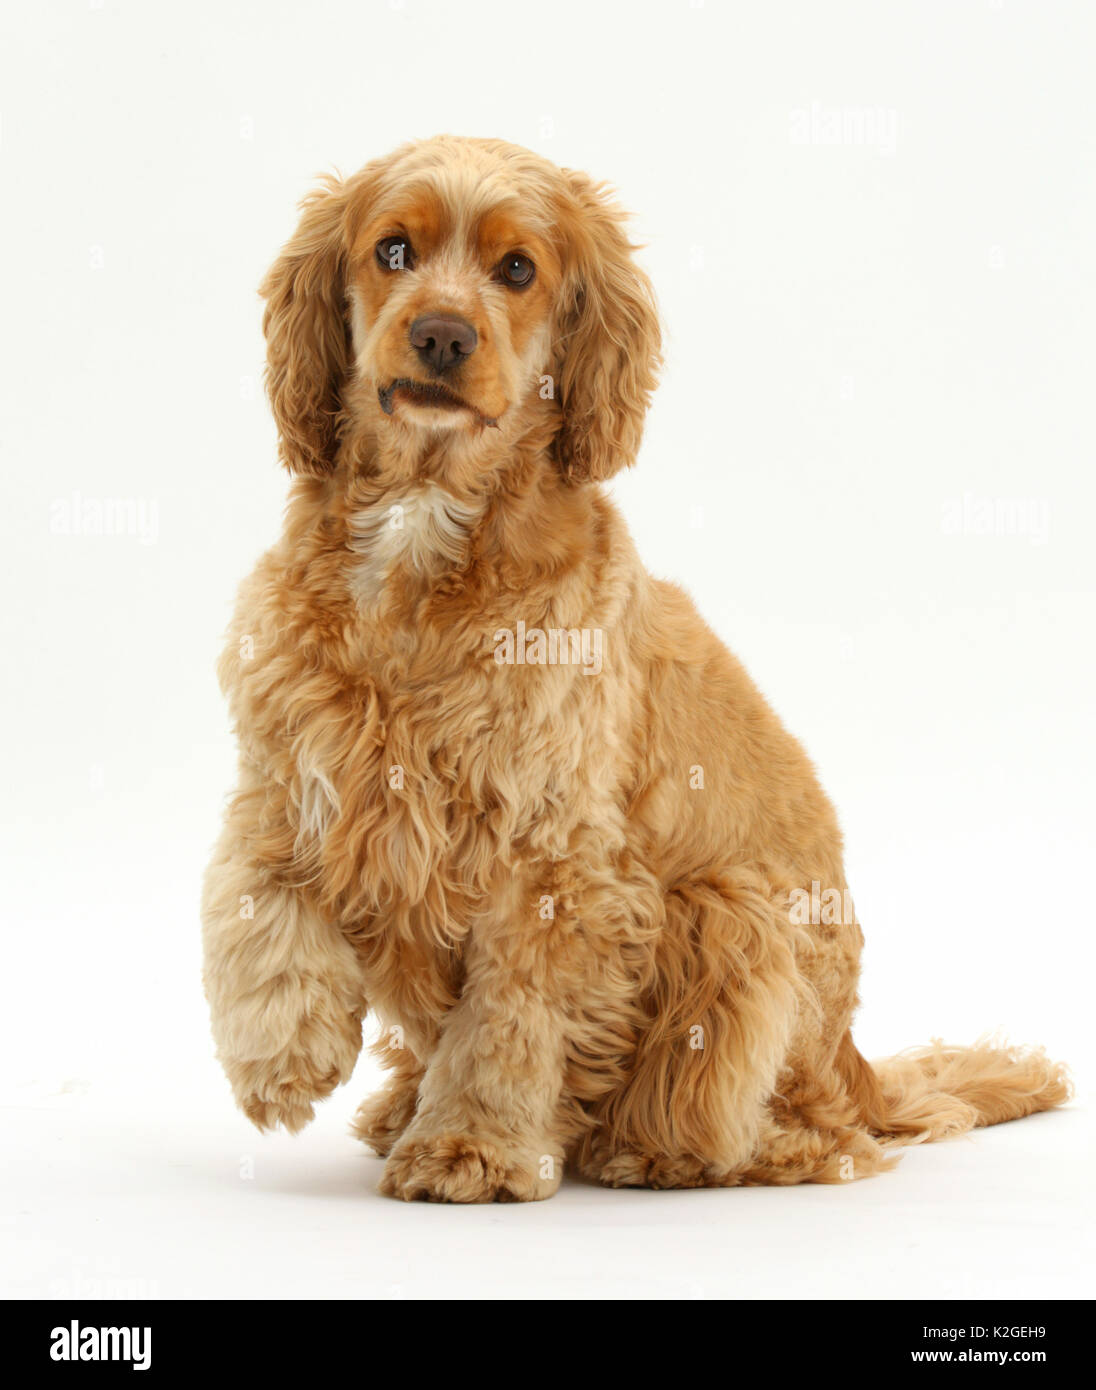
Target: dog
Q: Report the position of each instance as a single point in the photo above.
(498, 786)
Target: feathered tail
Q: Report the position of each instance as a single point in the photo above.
(936, 1092)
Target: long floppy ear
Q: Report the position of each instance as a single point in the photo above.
(307, 331)
(608, 337)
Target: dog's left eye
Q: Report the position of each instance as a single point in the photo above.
(394, 253)
(516, 270)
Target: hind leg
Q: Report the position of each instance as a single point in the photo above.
(820, 1140)
(791, 1153)
(786, 1154)
(817, 1127)
(722, 1006)
(382, 1118)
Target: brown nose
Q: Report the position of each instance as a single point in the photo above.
(442, 341)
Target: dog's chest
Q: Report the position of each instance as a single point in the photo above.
(427, 777)
(431, 795)
(422, 761)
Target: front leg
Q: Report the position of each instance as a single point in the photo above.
(284, 986)
(546, 1016)
(486, 1125)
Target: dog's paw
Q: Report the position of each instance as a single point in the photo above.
(280, 1090)
(631, 1168)
(382, 1118)
(454, 1168)
(287, 1105)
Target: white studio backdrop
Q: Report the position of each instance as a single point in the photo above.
(870, 229)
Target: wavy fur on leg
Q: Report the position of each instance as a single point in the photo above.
(284, 987)
(720, 1007)
(922, 1095)
(382, 1118)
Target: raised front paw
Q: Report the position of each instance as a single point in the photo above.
(457, 1168)
(280, 1090)
(269, 1097)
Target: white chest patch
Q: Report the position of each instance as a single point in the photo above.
(422, 531)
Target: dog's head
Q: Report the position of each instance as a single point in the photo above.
(454, 288)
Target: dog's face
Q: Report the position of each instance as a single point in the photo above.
(452, 284)
(456, 288)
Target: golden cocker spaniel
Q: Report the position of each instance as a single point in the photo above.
(500, 787)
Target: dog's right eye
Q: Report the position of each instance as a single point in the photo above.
(394, 253)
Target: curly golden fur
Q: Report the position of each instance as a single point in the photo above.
(498, 786)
